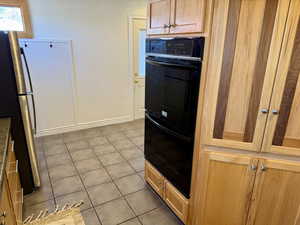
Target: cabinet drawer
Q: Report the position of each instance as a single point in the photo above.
(176, 201)
(154, 178)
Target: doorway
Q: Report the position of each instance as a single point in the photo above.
(137, 45)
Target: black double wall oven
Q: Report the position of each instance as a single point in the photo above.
(173, 68)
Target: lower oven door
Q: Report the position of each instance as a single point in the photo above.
(171, 153)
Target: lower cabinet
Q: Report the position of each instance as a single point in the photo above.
(11, 201)
(176, 201)
(7, 216)
(172, 197)
(276, 194)
(154, 178)
(226, 188)
(240, 190)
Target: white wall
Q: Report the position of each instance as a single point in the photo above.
(99, 33)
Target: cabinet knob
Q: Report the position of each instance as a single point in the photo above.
(263, 168)
(3, 214)
(253, 167)
(275, 112)
(264, 111)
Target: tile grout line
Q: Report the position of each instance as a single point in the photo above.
(135, 172)
(48, 172)
(78, 174)
(122, 195)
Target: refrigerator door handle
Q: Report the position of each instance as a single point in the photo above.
(27, 69)
(30, 139)
(34, 112)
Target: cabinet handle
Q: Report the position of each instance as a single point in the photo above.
(17, 166)
(173, 25)
(275, 112)
(253, 167)
(263, 168)
(166, 26)
(264, 111)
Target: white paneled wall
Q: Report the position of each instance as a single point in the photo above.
(51, 67)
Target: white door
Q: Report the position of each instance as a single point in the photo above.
(139, 50)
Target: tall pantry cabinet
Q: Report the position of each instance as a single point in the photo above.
(249, 169)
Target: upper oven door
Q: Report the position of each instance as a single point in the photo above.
(171, 92)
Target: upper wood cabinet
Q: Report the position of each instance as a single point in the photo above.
(225, 189)
(159, 16)
(175, 16)
(245, 46)
(187, 16)
(276, 196)
(283, 129)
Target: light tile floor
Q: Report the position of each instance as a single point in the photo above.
(104, 167)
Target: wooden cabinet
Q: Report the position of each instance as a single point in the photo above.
(225, 189)
(176, 201)
(242, 65)
(159, 12)
(276, 196)
(251, 109)
(283, 128)
(244, 190)
(154, 178)
(175, 16)
(7, 215)
(173, 198)
(11, 201)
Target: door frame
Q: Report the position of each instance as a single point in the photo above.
(131, 59)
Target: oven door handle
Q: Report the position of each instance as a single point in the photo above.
(167, 130)
(169, 64)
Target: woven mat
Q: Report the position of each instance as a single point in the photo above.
(67, 217)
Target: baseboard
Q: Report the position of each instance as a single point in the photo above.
(81, 126)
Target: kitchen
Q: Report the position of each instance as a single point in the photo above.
(151, 112)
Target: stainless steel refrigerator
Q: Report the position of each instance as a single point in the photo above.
(16, 88)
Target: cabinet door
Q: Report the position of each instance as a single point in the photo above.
(187, 16)
(176, 201)
(225, 189)
(158, 16)
(6, 206)
(276, 196)
(241, 70)
(283, 129)
(154, 178)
